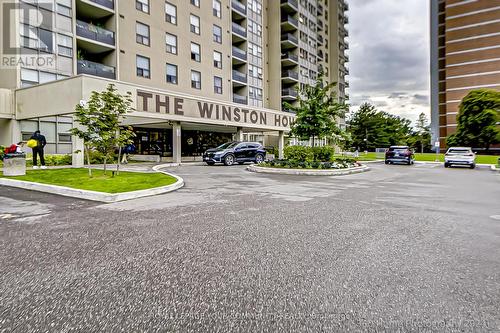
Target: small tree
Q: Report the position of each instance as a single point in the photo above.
(477, 120)
(100, 122)
(317, 111)
(421, 136)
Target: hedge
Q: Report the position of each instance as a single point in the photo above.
(309, 154)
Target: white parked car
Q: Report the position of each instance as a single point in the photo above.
(460, 156)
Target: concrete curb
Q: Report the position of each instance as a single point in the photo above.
(371, 162)
(494, 168)
(308, 172)
(93, 195)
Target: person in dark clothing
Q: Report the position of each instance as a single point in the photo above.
(38, 150)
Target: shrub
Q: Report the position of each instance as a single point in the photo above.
(323, 154)
(299, 153)
(2, 152)
(272, 150)
(97, 157)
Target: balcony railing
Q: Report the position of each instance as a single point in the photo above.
(96, 69)
(239, 7)
(291, 3)
(90, 31)
(291, 20)
(290, 74)
(290, 38)
(289, 92)
(239, 76)
(239, 53)
(105, 3)
(290, 56)
(240, 99)
(239, 30)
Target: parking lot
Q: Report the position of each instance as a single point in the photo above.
(398, 247)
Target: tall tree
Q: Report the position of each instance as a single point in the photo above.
(477, 122)
(421, 137)
(99, 122)
(372, 129)
(317, 111)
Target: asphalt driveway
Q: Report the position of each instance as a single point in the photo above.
(395, 249)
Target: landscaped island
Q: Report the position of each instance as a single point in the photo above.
(300, 157)
(79, 179)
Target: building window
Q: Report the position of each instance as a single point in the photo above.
(195, 52)
(64, 45)
(142, 64)
(217, 59)
(217, 85)
(255, 93)
(195, 3)
(194, 24)
(63, 10)
(171, 74)
(217, 8)
(195, 80)
(217, 34)
(29, 77)
(170, 13)
(64, 137)
(142, 34)
(142, 5)
(171, 43)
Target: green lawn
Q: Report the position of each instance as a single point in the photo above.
(79, 179)
(429, 157)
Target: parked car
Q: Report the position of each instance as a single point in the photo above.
(460, 156)
(398, 154)
(235, 152)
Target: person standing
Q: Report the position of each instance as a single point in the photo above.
(38, 150)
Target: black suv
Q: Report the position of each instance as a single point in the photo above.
(235, 152)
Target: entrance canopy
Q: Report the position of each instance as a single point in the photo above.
(151, 105)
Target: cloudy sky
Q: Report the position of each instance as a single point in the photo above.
(389, 55)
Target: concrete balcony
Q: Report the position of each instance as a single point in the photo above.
(290, 6)
(95, 9)
(103, 38)
(289, 76)
(289, 41)
(288, 23)
(289, 94)
(239, 8)
(95, 69)
(289, 59)
(240, 99)
(239, 32)
(105, 3)
(239, 78)
(239, 55)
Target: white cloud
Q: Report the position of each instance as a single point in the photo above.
(389, 55)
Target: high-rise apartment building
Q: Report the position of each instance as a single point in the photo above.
(201, 72)
(465, 55)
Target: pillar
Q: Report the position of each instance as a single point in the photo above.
(176, 142)
(281, 144)
(239, 134)
(77, 149)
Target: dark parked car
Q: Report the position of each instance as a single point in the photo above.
(235, 152)
(398, 154)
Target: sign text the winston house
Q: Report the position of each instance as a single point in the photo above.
(160, 103)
